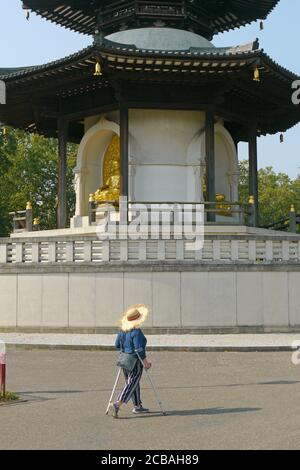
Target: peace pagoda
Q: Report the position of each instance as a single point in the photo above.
(158, 112)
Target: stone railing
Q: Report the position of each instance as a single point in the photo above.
(217, 248)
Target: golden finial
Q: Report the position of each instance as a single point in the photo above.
(98, 70)
(36, 221)
(28, 206)
(292, 209)
(251, 200)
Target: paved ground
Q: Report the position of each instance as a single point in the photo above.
(198, 342)
(214, 401)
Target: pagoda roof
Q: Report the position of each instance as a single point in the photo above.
(36, 96)
(114, 51)
(204, 17)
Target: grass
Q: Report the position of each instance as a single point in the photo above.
(9, 396)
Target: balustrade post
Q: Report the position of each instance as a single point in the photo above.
(3, 253)
(252, 212)
(29, 220)
(293, 219)
(92, 207)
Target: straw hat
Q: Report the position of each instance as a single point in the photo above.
(134, 317)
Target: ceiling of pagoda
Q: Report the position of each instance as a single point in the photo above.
(204, 17)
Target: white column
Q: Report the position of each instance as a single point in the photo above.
(3, 253)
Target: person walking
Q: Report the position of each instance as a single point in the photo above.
(131, 340)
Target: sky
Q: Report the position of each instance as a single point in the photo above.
(38, 41)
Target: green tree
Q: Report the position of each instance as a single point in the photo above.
(296, 190)
(29, 172)
(277, 192)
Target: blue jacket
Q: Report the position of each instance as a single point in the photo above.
(132, 341)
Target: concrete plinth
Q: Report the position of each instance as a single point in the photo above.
(179, 295)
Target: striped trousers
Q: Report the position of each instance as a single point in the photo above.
(132, 389)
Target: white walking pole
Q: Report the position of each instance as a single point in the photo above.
(152, 385)
(113, 392)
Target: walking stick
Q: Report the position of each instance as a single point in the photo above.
(113, 392)
(152, 385)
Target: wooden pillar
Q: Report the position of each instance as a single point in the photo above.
(62, 173)
(124, 138)
(124, 149)
(210, 161)
(253, 170)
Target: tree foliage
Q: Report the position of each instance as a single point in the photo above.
(29, 172)
(277, 192)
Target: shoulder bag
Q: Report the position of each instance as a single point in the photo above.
(127, 361)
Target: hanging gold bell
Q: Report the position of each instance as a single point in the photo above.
(256, 75)
(98, 70)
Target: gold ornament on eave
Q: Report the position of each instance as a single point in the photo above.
(256, 75)
(98, 69)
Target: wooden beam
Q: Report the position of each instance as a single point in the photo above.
(93, 111)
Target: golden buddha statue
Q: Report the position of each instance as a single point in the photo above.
(111, 190)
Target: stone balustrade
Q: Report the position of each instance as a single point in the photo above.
(217, 248)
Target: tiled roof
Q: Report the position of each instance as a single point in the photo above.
(110, 50)
(205, 17)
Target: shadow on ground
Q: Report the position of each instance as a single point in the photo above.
(195, 412)
(275, 382)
